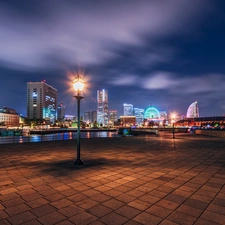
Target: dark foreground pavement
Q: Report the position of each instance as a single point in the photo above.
(129, 180)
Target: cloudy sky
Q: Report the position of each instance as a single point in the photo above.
(164, 53)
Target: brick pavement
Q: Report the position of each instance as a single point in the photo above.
(129, 180)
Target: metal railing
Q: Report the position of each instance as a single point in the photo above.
(54, 137)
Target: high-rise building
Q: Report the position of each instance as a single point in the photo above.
(128, 110)
(102, 108)
(41, 101)
(61, 111)
(139, 114)
(112, 116)
(193, 111)
(93, 116)
(87, 117)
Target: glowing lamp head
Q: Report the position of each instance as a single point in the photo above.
(78, 84)
(173, 116)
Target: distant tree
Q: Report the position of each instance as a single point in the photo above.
(95, 124)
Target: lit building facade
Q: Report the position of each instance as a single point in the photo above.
(90, 117)
(193, 111)
(41, 101)
(93, 116)
(61, 112)
(9, 117)
(87, 117)
(70, 117)
(112, 116)
(127, 121)
(128, 109)
(102, 107)
(139, 114)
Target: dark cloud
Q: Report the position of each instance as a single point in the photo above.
(136, 49)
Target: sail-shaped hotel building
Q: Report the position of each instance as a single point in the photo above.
(193, 111)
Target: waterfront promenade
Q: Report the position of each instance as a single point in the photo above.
(129, 180)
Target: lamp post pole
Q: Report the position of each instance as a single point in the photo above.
(78, 160)
(78, 86)
(173, 116)
(173, 131)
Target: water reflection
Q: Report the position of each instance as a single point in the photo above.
(56, 136)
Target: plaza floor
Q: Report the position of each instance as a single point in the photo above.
(129, 180)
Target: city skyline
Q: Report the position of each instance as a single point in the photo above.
(165, 54)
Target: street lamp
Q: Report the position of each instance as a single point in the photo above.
(173, 116)
(78, 85)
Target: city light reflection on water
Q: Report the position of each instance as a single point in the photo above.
(57, 136)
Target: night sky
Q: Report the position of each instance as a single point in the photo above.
(164, 53)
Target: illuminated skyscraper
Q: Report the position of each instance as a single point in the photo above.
(128, 110)
(193, 111)
(112, 116)
(61, 111)
(102, 110)
(87, 117)
(139, 113)
(93, 116)
(41, 101)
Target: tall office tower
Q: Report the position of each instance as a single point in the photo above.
(139, 113)
(41, 101)
(61, 111)
(87, 117)
(112, 116)
(93, 116)
(102, 110)
(128, 110)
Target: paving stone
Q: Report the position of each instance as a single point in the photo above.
(51, 218)
(146, 219)
(65, 222)
(138, 204)
(195, 204)
(4, 222)
(113, 218)
(96, 222)
(70, 210)
(181, 218)
(17, 209)
(201, 221)
(214, 217)
(132, 222)
(99, 210)
(3, 214)
(43, 210)
(13, 202)
(113, 203)
(37, 202)
(82, 218)
(61, 203)
(54, 197)
(159, 211)
(128, 211)
(101, 198)
(167, 204)
(21, 218)
(194, 212)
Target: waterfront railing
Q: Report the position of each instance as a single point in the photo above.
(55, 136)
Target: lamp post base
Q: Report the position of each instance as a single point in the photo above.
(78, 162)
